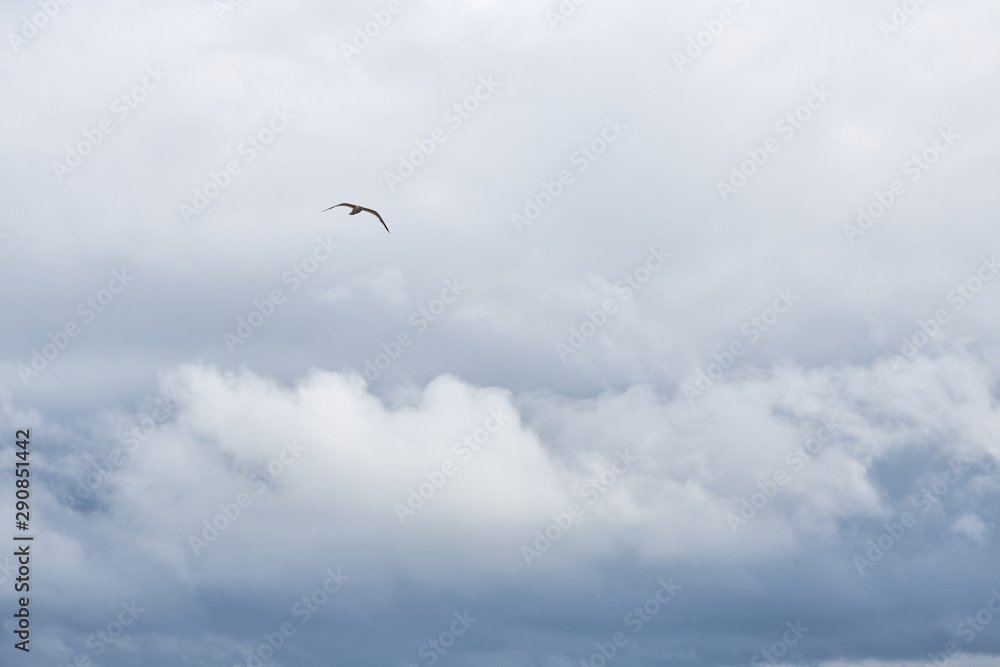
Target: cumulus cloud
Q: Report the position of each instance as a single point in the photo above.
(250, 485)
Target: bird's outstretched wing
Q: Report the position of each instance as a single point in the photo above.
(370, 210)
(327, 209)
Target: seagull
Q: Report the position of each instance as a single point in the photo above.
(355, 209)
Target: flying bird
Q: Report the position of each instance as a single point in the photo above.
(355, 209)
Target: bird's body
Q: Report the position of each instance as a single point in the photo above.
(355, 209)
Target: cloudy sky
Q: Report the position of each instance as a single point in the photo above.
(682, 349)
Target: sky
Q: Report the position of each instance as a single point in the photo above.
(681, 350)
